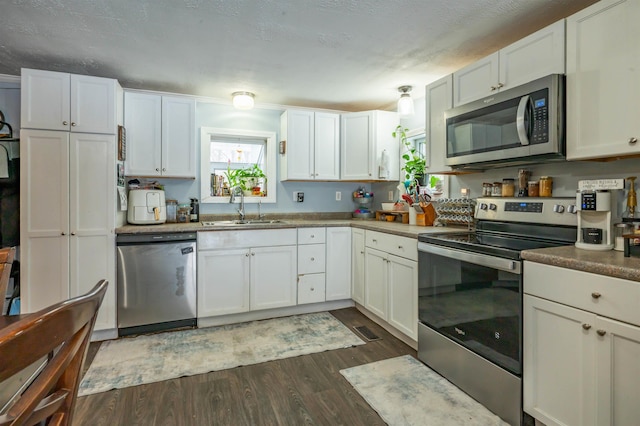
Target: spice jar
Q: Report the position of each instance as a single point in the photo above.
(533, 188)
(184, 213)
(508, 187)
(496, 190)
(487, 189)
(546, 186)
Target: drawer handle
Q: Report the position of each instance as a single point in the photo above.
(586, 326)
(374, 240)
(596, 295)
(601, 332)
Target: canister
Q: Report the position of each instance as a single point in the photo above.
(533, 188)
(546, 186)
(172, 211)
(508, 187)
(496, 190)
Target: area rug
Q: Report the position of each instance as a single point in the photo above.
(153, 358)
(403, 391)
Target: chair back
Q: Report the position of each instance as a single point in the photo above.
(60, 332)
(6, 261)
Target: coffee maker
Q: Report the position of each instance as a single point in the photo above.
(596, 213)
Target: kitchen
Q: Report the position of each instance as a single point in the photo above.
(321, 196)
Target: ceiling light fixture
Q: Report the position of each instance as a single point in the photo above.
(405, 103)
(243, 100)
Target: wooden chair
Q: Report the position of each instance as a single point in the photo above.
(6, 260)
(61, 332)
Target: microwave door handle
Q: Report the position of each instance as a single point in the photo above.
(521, 120)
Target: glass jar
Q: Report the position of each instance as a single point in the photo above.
(496, 190)
(172, 211)
(487, 189)
(508, 187)
(546, 186)
(184, 213)
(533, 188)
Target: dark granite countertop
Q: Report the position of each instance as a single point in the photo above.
(610, 263)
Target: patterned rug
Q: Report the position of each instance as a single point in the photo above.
(152, 358)
(403, 391)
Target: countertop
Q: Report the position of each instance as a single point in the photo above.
(611, 263)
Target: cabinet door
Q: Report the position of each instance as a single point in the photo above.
(533, 57)
(403, 295)
(142, 116)
(375, 288)
(357, 150)
(618, 372)
(439, 98)
(298, 131)
(338, 263)
(357, 270)
(559, 363)
(385, 161)
(178, 137)
(326, 148)
(603, 80)
(92, 219)
(223, 282)
(45, 100)
(311, 288)
(93, 104)
(476, 81)
(44, 218)
(273, 277)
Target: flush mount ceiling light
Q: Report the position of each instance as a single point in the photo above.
(243, 100)
(405, 103)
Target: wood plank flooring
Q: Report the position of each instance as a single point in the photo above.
(304, 390)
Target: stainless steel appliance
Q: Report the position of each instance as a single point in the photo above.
(156, 282)
(470, 296)
(521, 125)
(596, 214)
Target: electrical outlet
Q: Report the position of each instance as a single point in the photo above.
(298, 197)
(338, 195)
(390, 195)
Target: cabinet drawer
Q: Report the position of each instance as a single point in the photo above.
(311, 235)
(245, 239)
(311, 258)
(607, 296)
(311, 288)
(393, 244)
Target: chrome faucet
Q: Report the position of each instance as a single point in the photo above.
(232, 199)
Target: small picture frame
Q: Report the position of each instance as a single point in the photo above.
(122, 144)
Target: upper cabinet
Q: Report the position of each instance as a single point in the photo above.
(603, 81)
(312, 145)
(160, 135)
(77, 103)
(537, 55)
(439, 98)
(369, 151)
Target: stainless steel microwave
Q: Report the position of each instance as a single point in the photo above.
(522, 125)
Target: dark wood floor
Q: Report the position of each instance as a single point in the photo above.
(304, 390)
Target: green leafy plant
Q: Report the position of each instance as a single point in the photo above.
(245, 178)
(414, 165)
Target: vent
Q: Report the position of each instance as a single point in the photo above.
(366, 333)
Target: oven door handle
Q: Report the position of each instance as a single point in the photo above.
(500, 263)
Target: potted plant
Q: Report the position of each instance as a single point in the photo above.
(246, 178)
(414, 164)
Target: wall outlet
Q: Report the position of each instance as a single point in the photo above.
(390, 195)
(338, 195)
(298, 197)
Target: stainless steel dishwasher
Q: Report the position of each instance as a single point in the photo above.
(156, 282)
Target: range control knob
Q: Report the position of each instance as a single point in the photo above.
(483, 206)
(572, 209)
(493, 207)
(558, 208)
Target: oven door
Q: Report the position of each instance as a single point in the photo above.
(473, 299)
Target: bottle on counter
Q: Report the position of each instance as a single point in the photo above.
(195, 210)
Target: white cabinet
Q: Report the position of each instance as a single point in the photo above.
(535, 56)
(160, 135)
(439, 98)
(338, 269)
(253, 270)
(580, 365)
(368, 149)
(311, 265)
(391, 280)
(312, 145)
(69, 102)
(357, 262)
(603, 81)
(67, 226)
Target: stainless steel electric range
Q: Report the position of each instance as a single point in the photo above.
(470, 296)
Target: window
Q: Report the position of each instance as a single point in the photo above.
(237, 159)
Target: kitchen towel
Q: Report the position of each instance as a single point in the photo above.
(152, 358)
(403, 391)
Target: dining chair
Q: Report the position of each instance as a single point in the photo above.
(6, 261)
(59, 334)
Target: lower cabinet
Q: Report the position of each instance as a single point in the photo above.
(357, 265)
(580, 368)
(391, 280)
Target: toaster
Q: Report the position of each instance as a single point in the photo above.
(146, 207)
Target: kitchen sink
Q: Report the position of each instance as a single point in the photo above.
(240, 222)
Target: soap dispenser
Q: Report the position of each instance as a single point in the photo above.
(195, 210)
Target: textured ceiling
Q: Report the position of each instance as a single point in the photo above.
(339, 54)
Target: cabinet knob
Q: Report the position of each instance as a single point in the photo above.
(164, 169)
(494, 88)
(62, 233)
(157, 169)
(374, 240)
(73, 233)
(253, 254)
(64, 123)
(311, 288)
(601, 332)
(586, 326)
(400, 247)
(361, 251)
(500, 85)
(73, 124)
(313, 236)
(313, 258)
(246, 254)
(596, 295)
(632, 141)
